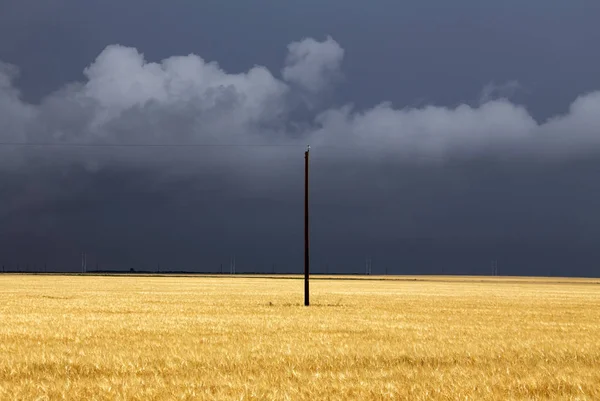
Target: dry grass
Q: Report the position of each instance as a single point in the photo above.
(144, 338)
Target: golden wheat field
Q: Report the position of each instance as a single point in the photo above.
(242, 338)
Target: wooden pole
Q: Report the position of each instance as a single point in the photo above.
(306, 241)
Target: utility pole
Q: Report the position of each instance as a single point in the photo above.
(83, 262)
(306, 237)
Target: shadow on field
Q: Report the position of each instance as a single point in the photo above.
(296, 305)
(317, 277)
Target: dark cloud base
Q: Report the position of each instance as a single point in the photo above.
(425, 190)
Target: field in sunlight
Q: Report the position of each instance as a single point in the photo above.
(242, 338)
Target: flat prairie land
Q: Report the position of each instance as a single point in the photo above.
(251, 338)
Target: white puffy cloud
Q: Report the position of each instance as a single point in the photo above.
(185, 99)
(429, 132)
(497, 128)
(574, 133)
(120, 79)
(313, 65)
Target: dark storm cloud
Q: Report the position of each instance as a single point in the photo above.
(187, 100)
(470, 175)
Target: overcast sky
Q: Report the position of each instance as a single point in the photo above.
(443, 135)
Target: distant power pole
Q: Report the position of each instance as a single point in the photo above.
(306, 232)
(494, 267)
(83, 262)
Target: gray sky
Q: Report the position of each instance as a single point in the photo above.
(443, 135)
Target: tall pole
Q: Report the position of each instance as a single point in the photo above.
(306, 243)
